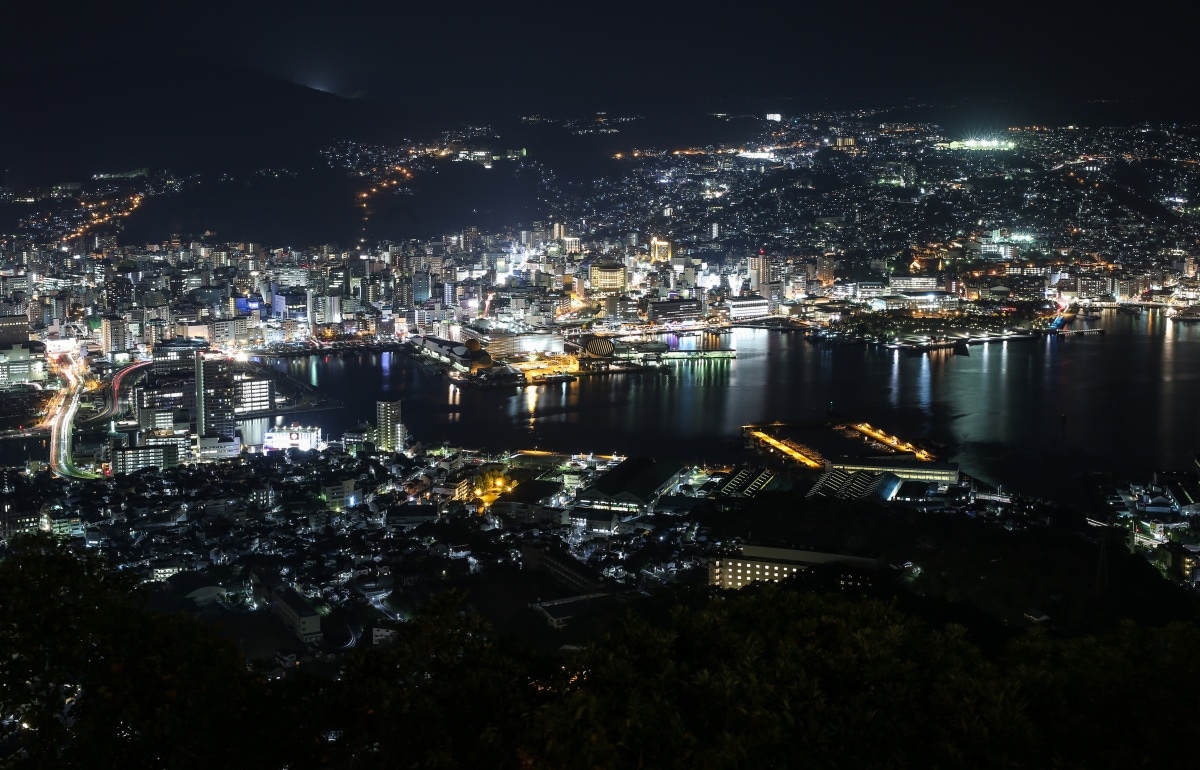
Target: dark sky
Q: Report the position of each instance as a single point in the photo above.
(542, 54)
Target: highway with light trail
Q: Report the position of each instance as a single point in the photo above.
(62, 422)
(113, 410)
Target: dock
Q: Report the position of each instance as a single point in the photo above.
(917, 346)
(1071, 332)
(798, 452)
(888, 440)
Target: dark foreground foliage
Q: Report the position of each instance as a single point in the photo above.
(768, 677)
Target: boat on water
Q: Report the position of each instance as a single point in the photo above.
(551, 379)
(1189, 313)
(1129, 309)
(651, 346)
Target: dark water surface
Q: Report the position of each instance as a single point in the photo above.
(1032, 415)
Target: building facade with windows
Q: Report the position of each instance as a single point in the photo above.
(754, 564)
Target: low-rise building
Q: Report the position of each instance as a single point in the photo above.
(944, 474)
(752, 563)
(296, 613)
(753, 306)
(631, 487)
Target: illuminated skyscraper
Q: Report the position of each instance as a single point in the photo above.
(404, 293)
(422, 287)
(826, 269)
(660, 251)
(757, 267)
(215, 397)
(390, 433)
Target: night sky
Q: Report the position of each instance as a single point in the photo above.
(486, 53)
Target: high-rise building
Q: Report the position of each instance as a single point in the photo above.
(757, 267)
(372, 290)
(422, 287)
(114, 335)
(403, 296)
(390, 433)
(253, 394)
(215, 397)
(229, 332)
(119, 292)
(311, 297)
(660, 251)
(607, 276)
(177, 355)
(14, 329)
(826, 269)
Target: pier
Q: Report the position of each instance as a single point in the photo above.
(891, 441)
(1052, 332)
(919, 346)
(801, 454)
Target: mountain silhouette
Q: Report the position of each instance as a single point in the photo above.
(68, 122)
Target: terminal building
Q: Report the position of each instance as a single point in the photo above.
(855, 485)
(932, 301)
(502, 344)
(943, 474)
(467, 357)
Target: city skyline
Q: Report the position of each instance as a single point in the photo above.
(546, 387)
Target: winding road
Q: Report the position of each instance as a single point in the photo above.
(62, 422)
(113, 409)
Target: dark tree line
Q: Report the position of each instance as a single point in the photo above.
(773, 676)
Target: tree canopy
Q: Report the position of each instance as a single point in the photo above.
(770, 676)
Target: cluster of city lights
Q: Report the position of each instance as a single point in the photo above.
(988, 144)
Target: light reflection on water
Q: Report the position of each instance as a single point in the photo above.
(1032, 414)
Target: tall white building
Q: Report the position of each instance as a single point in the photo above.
(390, 433)
(115, 336)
